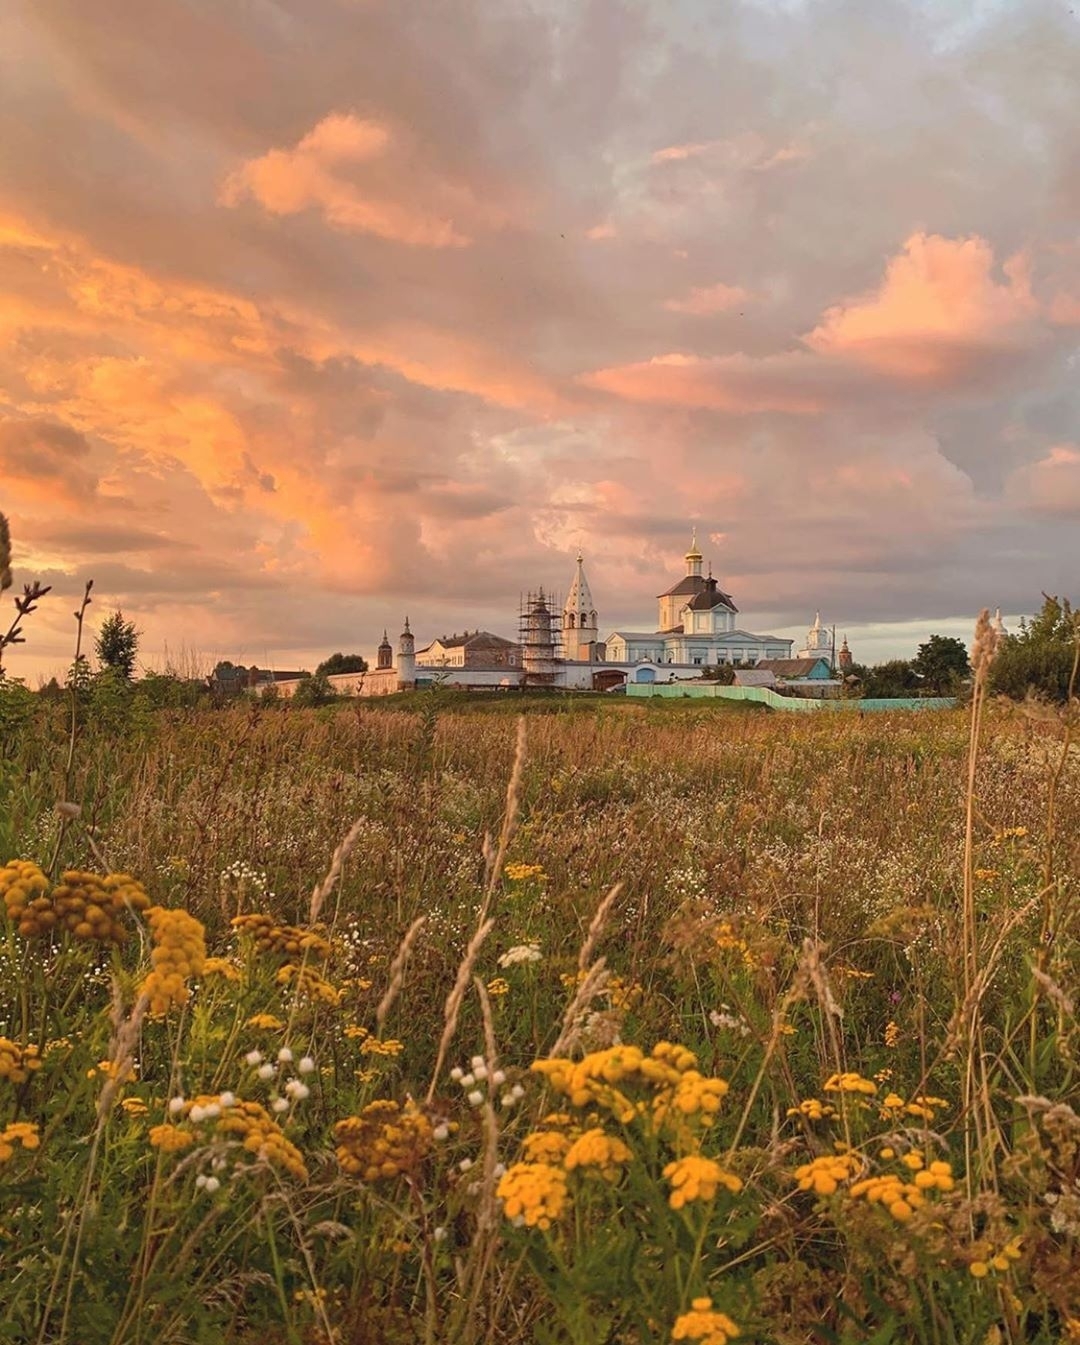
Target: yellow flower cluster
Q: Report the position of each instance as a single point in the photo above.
(309, 983)
(921, 1106)
(849, 1083)
(702, 1323)
(384, 1141)
(17, 1062)
(134, 1106)
(693, 1095)
(109, 1069)
(234, 1121)
(545, 1146)
(533, 1193)
(252, 1126)
(892, 1034)
(813, 1109)
(265, 1022)
(499, 986)
(727, 940)
(591, 1081)
(373, 1046)
(170, 1139)
(521, 873)
(288, 940)
(901, 1196)
(824, 1175)
(596, 1149)
(1003, 1260)
(697, 1178)
(221, 966)
(83, 904)
(19, 1132)
(622, 995)
(180, 952)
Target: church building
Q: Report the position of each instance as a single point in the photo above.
(696, 627)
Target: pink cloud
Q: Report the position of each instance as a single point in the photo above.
(346, 168)
(938, 309)
(737, 384)
(708, 299)
(677, 153)
(1049, 486)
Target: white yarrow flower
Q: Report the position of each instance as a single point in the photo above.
(523, 952)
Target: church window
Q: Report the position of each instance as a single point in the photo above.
(570, 620)
(697, 658)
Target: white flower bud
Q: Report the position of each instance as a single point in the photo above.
(200, 1181)
(467, 1080)
(465, 1164)
(441, 1131)
(212, 1185)
(517, 1092)
(306, 1065)
(457, 1073)
(498, 1078)
(279, 1105)
(481, 1073)
(176, 1104)
(266, 1071)
(227, 1100)
(477, 1062)
(297, 1090)
(439, 1234)
(197, 1113)
(254, 1058)
(475, 1098)
(285, 1055)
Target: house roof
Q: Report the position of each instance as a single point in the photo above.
(690, 584)
(712, 595)
(656, 637)
(479, 639)
(791, 667)
(755, 677)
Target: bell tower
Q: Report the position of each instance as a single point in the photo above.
(579, 619)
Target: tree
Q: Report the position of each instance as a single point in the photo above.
(342, 663)
(889, 681)
(1041, 656)
(313, 691)
(117, 645)
(942, 663)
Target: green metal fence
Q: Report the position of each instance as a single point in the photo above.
(766, 696)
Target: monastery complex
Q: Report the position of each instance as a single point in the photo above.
(697, 628)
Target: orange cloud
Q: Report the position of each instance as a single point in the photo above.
(707, 299)
(344, 168)
(938, 309)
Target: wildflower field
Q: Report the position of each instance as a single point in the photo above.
(615, 1024)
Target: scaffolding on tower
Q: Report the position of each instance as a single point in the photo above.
(540, 637)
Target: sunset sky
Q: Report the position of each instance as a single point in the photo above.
(317, 312)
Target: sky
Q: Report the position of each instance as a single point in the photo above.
(316, 314)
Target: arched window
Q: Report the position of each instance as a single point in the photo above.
(570, 621)
(592, 618)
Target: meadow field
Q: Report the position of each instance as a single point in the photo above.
(611, 1023)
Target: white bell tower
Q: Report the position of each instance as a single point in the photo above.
(579, 619)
